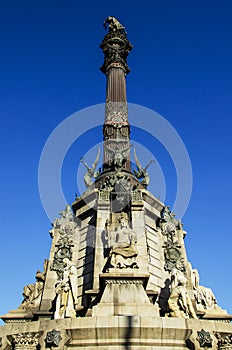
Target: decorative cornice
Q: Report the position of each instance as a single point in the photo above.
(28, 340)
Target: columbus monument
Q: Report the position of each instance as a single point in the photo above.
(118, 276)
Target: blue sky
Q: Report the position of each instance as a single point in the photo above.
(180, 67)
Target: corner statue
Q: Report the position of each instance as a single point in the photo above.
(179, 302)
(123, 253)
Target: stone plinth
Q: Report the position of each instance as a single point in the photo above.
(124, 294)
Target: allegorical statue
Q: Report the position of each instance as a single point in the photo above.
(179, 302)
(141, 173)
(32, 293)
(205, 299)
(91, 173)
(123, 253)
(66, 292)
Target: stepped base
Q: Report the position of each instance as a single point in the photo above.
(116, 333)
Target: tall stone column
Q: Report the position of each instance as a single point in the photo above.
(116, 130)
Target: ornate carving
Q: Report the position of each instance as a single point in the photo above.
(118, 188)
(63, 250)
(118, 153)
(172, 252)
(32, 293)
(28, 340)
(141, 173)
(168, 216)
(116, 112)
(66, 226)
(52, 339)
(91, 173)
(179, 302)
(204, 339)
(66, 291)
(115, 46)
(123, 281)
(123, 253)
(137, 196)
(67, 223)
(224, 341)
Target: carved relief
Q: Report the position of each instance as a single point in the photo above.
(204, 339)
(25, 340)
(118, 189)
(63, 250)
(52, 339)
(224, 341)
(116, 112)
(66, 226)
(118, 153)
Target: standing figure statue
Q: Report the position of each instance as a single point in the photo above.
(123, 253)
(66, 292)
(114, 25)
(179, 302)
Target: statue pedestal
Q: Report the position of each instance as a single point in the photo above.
(124, 294)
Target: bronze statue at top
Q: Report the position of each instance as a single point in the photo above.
(114, 25)
(115, 46)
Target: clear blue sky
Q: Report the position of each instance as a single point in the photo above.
(181, 67)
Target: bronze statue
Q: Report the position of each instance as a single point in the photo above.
(114, 25)
(141, 173)
(91, 171)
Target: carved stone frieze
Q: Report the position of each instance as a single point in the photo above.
(224, 341)
(24, 341)
(123, 281)
(52, 339)
(116, 112)
(67, 223)
(204, 339)
(117, 187)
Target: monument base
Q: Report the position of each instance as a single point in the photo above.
(124, 294)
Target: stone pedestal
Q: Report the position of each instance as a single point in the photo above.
(124, 294)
